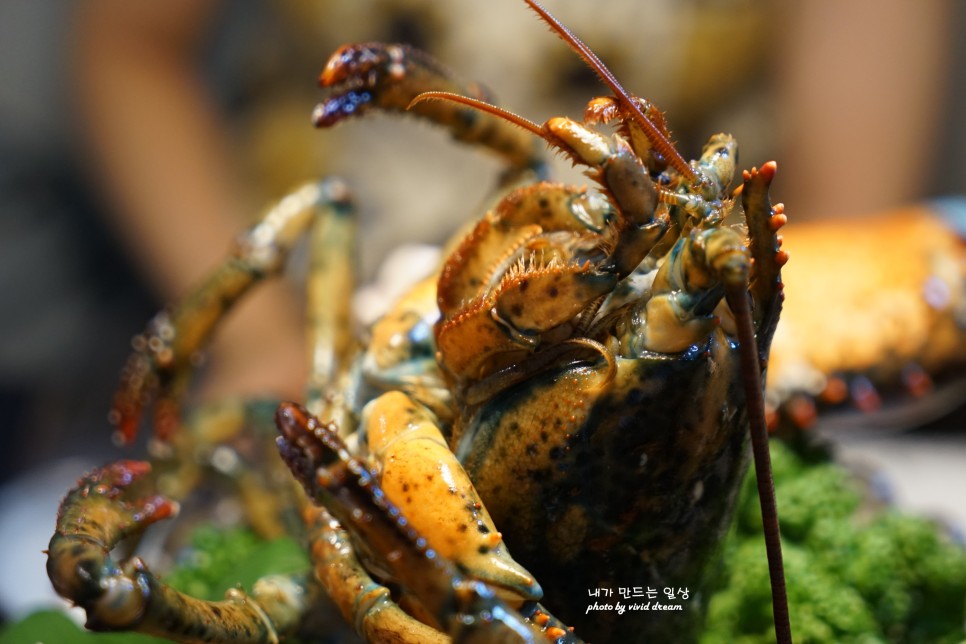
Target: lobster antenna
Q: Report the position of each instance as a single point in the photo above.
(483, 106)
(658, 140)
(737, 297)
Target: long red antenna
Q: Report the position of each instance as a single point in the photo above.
(658, 140)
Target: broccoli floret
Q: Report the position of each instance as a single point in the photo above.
(222, 559)
(822, 608)
(821, 492)
(851, 578)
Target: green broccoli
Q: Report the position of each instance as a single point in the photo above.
(222, 559)
(852, 576)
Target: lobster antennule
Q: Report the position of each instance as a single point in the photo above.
(657, 139)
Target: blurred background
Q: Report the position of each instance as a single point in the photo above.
(137, 139)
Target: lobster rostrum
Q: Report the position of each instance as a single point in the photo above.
(575, 386)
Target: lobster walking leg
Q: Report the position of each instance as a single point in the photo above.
(119, 500)
(165, 354)
(362, 601)
(389, 77)
(105, 507)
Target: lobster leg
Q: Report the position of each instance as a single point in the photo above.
(330, 286)
(362, 601)
(388, 77)
(108, 505)
(165, 354)
(105, 507)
